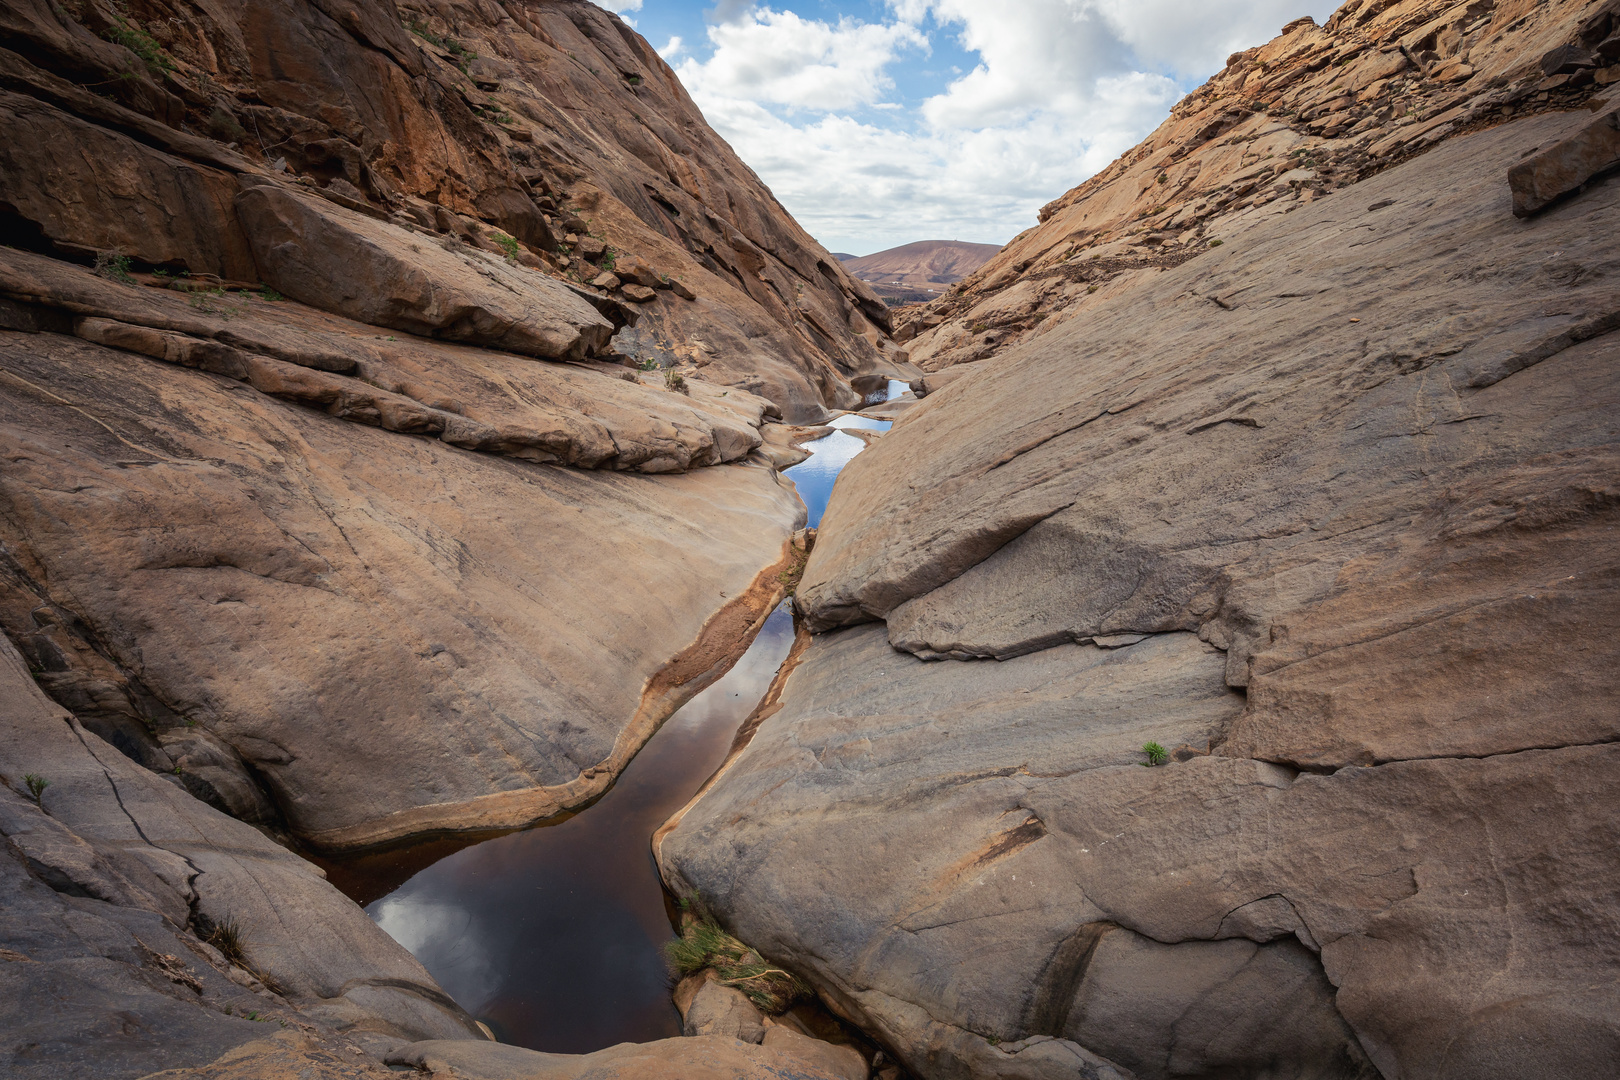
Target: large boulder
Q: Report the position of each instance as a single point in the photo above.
(394, 634)
(113, 879)
(343, 261)
(1340, 541)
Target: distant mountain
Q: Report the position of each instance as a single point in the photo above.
(919, 271)
(842, 256)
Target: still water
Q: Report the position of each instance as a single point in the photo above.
(814, 477)
(553, 936)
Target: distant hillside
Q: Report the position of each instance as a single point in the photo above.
(919, 271)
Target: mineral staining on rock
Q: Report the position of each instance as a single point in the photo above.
(1327, 511)
(340, 495)
(337, 502)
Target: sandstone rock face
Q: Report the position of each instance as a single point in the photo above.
(1328, 513)
(668, 1059)
(373, 272)
(395, 634)
(563, 124)
(1282, 125)
(111, 880)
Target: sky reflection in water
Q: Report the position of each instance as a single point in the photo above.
(554, 935)
(814, 478)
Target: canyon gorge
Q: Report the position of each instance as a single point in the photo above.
(1204, 665)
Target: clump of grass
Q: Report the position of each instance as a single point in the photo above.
(649, 364)
(36, 786)
(139, 42)
(705, 945)
(227, 938)
(1156, 754)
(1215, 243)
(674, 381)
(794, 573)
(507, 244)
(267, 293)
(463, 55)
(113, 267)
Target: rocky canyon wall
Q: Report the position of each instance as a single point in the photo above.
(1325, 512)
(381, 395)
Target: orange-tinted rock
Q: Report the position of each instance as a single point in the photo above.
(383, 120)
(1564, 168)
(1307, 113)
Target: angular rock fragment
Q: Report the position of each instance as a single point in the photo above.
(1563, 169)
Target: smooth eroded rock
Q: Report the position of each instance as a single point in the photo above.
(376, 272)
(667, 1059)
(395, 634)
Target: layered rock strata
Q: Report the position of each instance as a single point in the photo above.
(1283, 124)
(547, 134)
(336, 497)
(1328, 514)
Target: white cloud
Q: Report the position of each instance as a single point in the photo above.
(672, 49)
(1061, 87)
(778, 57)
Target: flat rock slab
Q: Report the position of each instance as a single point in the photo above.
(1562, 170)
(379, 273)
(707, 1056)
(395, 634)
(107, 879)
(1383, 506)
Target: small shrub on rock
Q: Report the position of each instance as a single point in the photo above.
(113, 267)
(704, 945)
(36, 786)
(1156, 754)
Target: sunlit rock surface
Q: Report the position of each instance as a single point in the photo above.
(1328, 513)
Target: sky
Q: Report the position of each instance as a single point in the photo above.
(881, 122)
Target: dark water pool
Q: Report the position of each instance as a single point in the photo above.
(553, 936)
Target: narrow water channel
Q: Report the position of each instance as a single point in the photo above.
(554, 935)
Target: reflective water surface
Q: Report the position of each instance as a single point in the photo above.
(814, 477)
(553, 936)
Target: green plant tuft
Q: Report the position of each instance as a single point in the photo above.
(704, 945)
(113, 267)
(649, 364)
(267, 293)
(464, 56)
(507, 244)
(1215, 243)
(36, 785)
(1156, 754)
(139, 42)
(674, 381)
